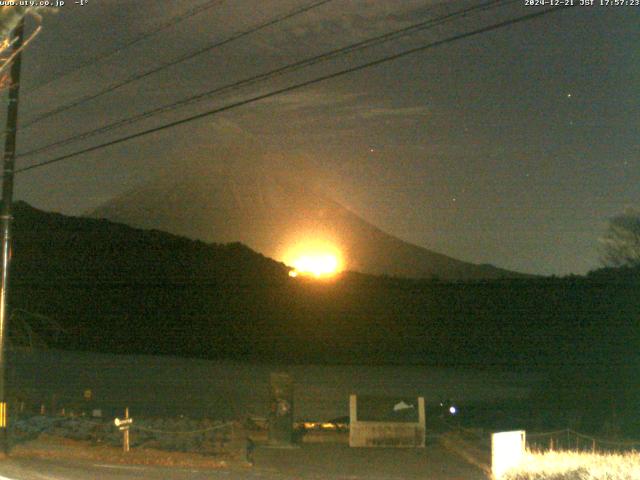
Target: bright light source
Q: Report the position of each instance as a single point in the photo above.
(313, 258)
(318, 265)
(453, 410)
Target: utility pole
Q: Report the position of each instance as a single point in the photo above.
(5, 218)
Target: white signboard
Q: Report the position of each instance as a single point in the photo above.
(507, 451)
(123, 424)
(380, 421)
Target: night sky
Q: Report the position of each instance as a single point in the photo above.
(512, 147)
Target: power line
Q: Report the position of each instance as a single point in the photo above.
(367, 43)
(164, 66)
(297, 86)
(159, 28)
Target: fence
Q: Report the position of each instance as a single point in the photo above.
(559, 440)
(569, 439)
(474, 445)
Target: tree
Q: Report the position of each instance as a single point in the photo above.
(621, 242)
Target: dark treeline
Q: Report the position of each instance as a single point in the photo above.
(122, 290)
(116, 288)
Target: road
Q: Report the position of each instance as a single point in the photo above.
(312, 462)
(37, 469)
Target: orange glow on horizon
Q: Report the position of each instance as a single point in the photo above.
(317, 264)
(314, 259)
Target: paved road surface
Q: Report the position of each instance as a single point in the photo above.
(311, 462)
(32, 469)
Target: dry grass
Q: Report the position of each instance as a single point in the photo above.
(577, 466)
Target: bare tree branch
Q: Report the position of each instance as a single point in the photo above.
(621, 242)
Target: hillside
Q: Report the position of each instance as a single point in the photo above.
(54, 248)
(120, 290)
(272, 211)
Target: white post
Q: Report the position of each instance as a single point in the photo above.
(125, 440)
(507, 451)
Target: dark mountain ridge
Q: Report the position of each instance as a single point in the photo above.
(51, 247)
(122, 289)
(270, 211)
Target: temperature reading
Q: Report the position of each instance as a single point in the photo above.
(82, 3)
